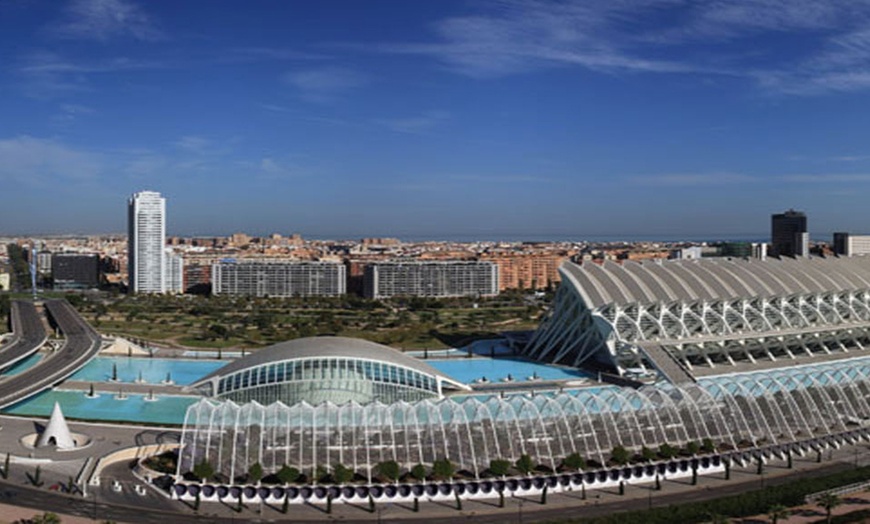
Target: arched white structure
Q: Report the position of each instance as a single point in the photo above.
(773, 407)
(677, 315)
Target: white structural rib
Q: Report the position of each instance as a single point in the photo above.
(707, 312)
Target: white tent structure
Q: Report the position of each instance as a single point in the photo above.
(57, 432)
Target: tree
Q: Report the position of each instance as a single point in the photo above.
(574, 461)
(443, 469)
(341, 474)
(286, 474)
(255, 472)
(419, 472)
(524, 464)
(828, 502)
(620, 455)
(666, 451)
(707, 445)
(203, 471)
(648, 454)
(692, 448)
(776, 512)
(46, 518)
(389, 469)
(499, 467)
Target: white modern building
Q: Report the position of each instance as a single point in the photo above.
(174, 278)
(146, 237)
(431, 279)
(278, 279)
(849, 245)
(684, 316)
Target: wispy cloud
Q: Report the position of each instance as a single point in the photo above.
(194, 144)
(416, 124)
(252, 54)
(41, 162)
(506, 37)
(324, 84)
(850, 158)
(500, 179)
(46, 74)
(103, 20)
(523, 35)
(827, 178)
(693, 179)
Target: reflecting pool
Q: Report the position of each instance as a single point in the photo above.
(153, 370)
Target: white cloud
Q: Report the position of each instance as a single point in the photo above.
(41, 162)
(193, 144)
(106, 19)
(324, 83)
(519, 36)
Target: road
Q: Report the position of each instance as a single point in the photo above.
(28, 334)
(81, 345)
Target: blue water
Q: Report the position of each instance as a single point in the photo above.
(470, 370)
(76, 405)
(23, 365)
(154, 370)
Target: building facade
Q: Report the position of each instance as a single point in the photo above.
(527, 271)
(146, 237)
(431, 279)
(851, 245)
(789, 236)
(75, 270)
(681, 315)
(278, 279)
(174, 278)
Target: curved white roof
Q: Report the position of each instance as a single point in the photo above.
(713, 279)
(326, 347)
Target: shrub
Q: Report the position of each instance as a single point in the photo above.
(389, 469)
(418, 472)
(574, 461)
(341, 474)
(499, 467)
(287, 474)
(620, 455)
(203, 471)
(648, 454)
(443, 469)
(707, 445)
(255, 472)
(525, 465)
(666, 451)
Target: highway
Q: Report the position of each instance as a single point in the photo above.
(81, 345)
(28, 334)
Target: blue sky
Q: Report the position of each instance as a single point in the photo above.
(489, 119)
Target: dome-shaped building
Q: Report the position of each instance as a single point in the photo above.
(326, 369)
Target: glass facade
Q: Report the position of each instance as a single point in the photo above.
(327, 379)
(733, 411)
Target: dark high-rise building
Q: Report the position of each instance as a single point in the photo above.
(789, 236)
(75, 271)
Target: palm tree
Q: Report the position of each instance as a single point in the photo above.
(828, 501)
(776, 512)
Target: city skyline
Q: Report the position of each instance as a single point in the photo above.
(512, 119)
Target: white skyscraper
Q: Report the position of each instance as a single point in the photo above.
(146, 237)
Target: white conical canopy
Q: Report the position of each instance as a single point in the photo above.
(56, 430)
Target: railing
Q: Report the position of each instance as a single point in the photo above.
(842, 490)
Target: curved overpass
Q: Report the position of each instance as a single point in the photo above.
(81, 345)
(28, 334)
